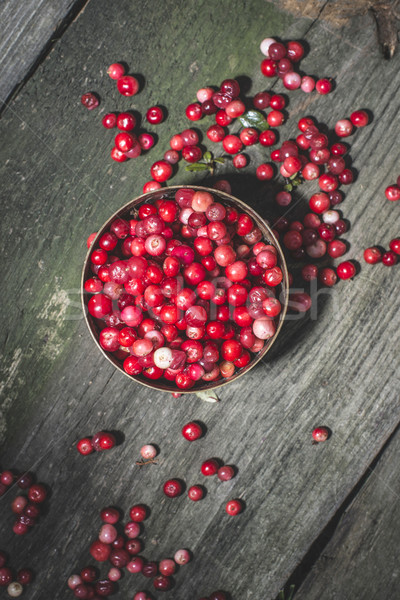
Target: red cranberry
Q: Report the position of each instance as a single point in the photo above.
(138, 513)
(172, 488)
(394, 245)
(116, 70)
(104, 587)
(25, 576)
(161, 582)
(346, 270)
(37, 493)
(100, 551)
(372, 255)
(192, 431)
(225, 473)
(389, 258)
(320, 434)
(6, 576)
(154, 115)
(127, 85)
(210, 467)
(196, 493)
(327, 276)
(234, 507)
(150, 569)
(90, 100)
(103, 441)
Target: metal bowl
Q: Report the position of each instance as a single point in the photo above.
(128, 211)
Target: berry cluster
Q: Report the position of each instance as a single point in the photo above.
(388, 258)
(120, 545)
(187, 291)
(280, 62)
(102, 440)
(25, 507)
(15, 582)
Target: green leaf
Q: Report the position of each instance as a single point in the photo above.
(291, 592)
(253, 118)
(288, 187)
(292, 177)
(197, 167)
(219, 160)
(208, 156)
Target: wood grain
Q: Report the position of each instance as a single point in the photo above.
(27, 30)
(334, 367)
(362, 549)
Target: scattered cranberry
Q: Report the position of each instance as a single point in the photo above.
(392, 193)
(85, 446)
(346, 270)
(225, 473)
(389, 258)
(192, 431)
(196, 492)
(172, 488)
(210, 467)
(155, 115)
(372, 255)
(320, 434)
(148, 451)
(234, 507)
(103, 441)
(128, 85)
(116, 70)
(394, 245)
(90, 100)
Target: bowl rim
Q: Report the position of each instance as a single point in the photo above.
(160, 193)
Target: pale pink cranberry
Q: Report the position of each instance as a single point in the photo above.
(204, 94)
(265, 44)
(307, 84)
(74, 580)
(135, 565)
(108, 534)
(114, 574)
(264, 328)
(182, 556)
(148, 451)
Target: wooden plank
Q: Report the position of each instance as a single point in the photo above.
(363, 547)
(27, 30)
(333, 367)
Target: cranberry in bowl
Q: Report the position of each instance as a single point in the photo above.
(184, 289)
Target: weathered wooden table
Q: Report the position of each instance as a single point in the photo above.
(324, 518)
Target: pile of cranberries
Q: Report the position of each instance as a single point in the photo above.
(119, 545)
(26, 508)
(14, 582)
(187, 291)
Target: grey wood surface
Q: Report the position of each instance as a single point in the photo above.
(27, 29)
(361, 557)
(334, 367)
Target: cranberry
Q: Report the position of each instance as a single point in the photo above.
(323, 86)
(194, 112)
(327, 276)
(126, 121)
(394, 245)
(172, 488)
(182, 556)
(103, 441)
(373, 255)
(128, 85)
(389, 258)
(85, 446)
(100, 551)
(225, 473)
(192, 431)
(210, 467)
(196, 493)
(89, 574)
(131, 530)
(119, 557)
(116, 70)
(154, 115)
(118, 155)
(37, 493)
(346, 270)
(234, 507)
(109, 120)
(343, 128)
(275, 118)
(25, 576)
(359, 118)
(138, 513)
(261, 100)
(232, 144)
(161, 582)
(161, 171)
(392, 193)
(150, 569)
(320, 434)
(90, 100)
(167, 567)
(265, 172)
